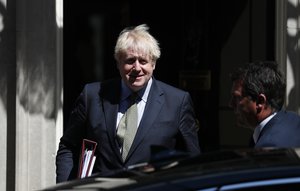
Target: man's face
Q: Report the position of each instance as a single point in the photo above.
(136, 69)
(244, 107)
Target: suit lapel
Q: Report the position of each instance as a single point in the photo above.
(110, 94)
(153, 106)
(110, 112)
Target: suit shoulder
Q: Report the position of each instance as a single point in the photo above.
(170, 88)
(284, 117)
(292, 115)
(91, 88)
(96, 86)
(289, 113)
(92, 85)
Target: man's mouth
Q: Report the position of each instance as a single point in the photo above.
(135, 76)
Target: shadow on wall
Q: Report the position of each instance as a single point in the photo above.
(36, 71)
(38, 82)
(36, 85)
(36, 67)
(293, 50)
(3, 58)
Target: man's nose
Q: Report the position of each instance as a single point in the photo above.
(137, 65)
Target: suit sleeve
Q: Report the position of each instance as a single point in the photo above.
(189, 126)
(69, 146)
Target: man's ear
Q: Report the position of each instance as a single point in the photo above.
(261, 101)
(153, 65)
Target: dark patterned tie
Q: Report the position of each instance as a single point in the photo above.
(128, 126)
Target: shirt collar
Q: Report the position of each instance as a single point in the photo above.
(144, 97)
(260, 127)
(143, 93)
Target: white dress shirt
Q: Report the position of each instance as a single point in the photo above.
(124, 103)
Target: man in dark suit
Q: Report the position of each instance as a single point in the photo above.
(165, 114)
(258, 93)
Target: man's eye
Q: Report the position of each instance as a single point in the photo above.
(133, 60)
(130, 61)
(143, 62)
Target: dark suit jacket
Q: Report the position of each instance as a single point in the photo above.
(168, 120)
(283, 130)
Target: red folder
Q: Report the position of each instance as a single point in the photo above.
(87, 158)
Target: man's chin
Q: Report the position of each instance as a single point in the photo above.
(136, 86)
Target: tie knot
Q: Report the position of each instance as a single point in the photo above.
(133, 97)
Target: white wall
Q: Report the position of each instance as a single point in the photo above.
(31, 93)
